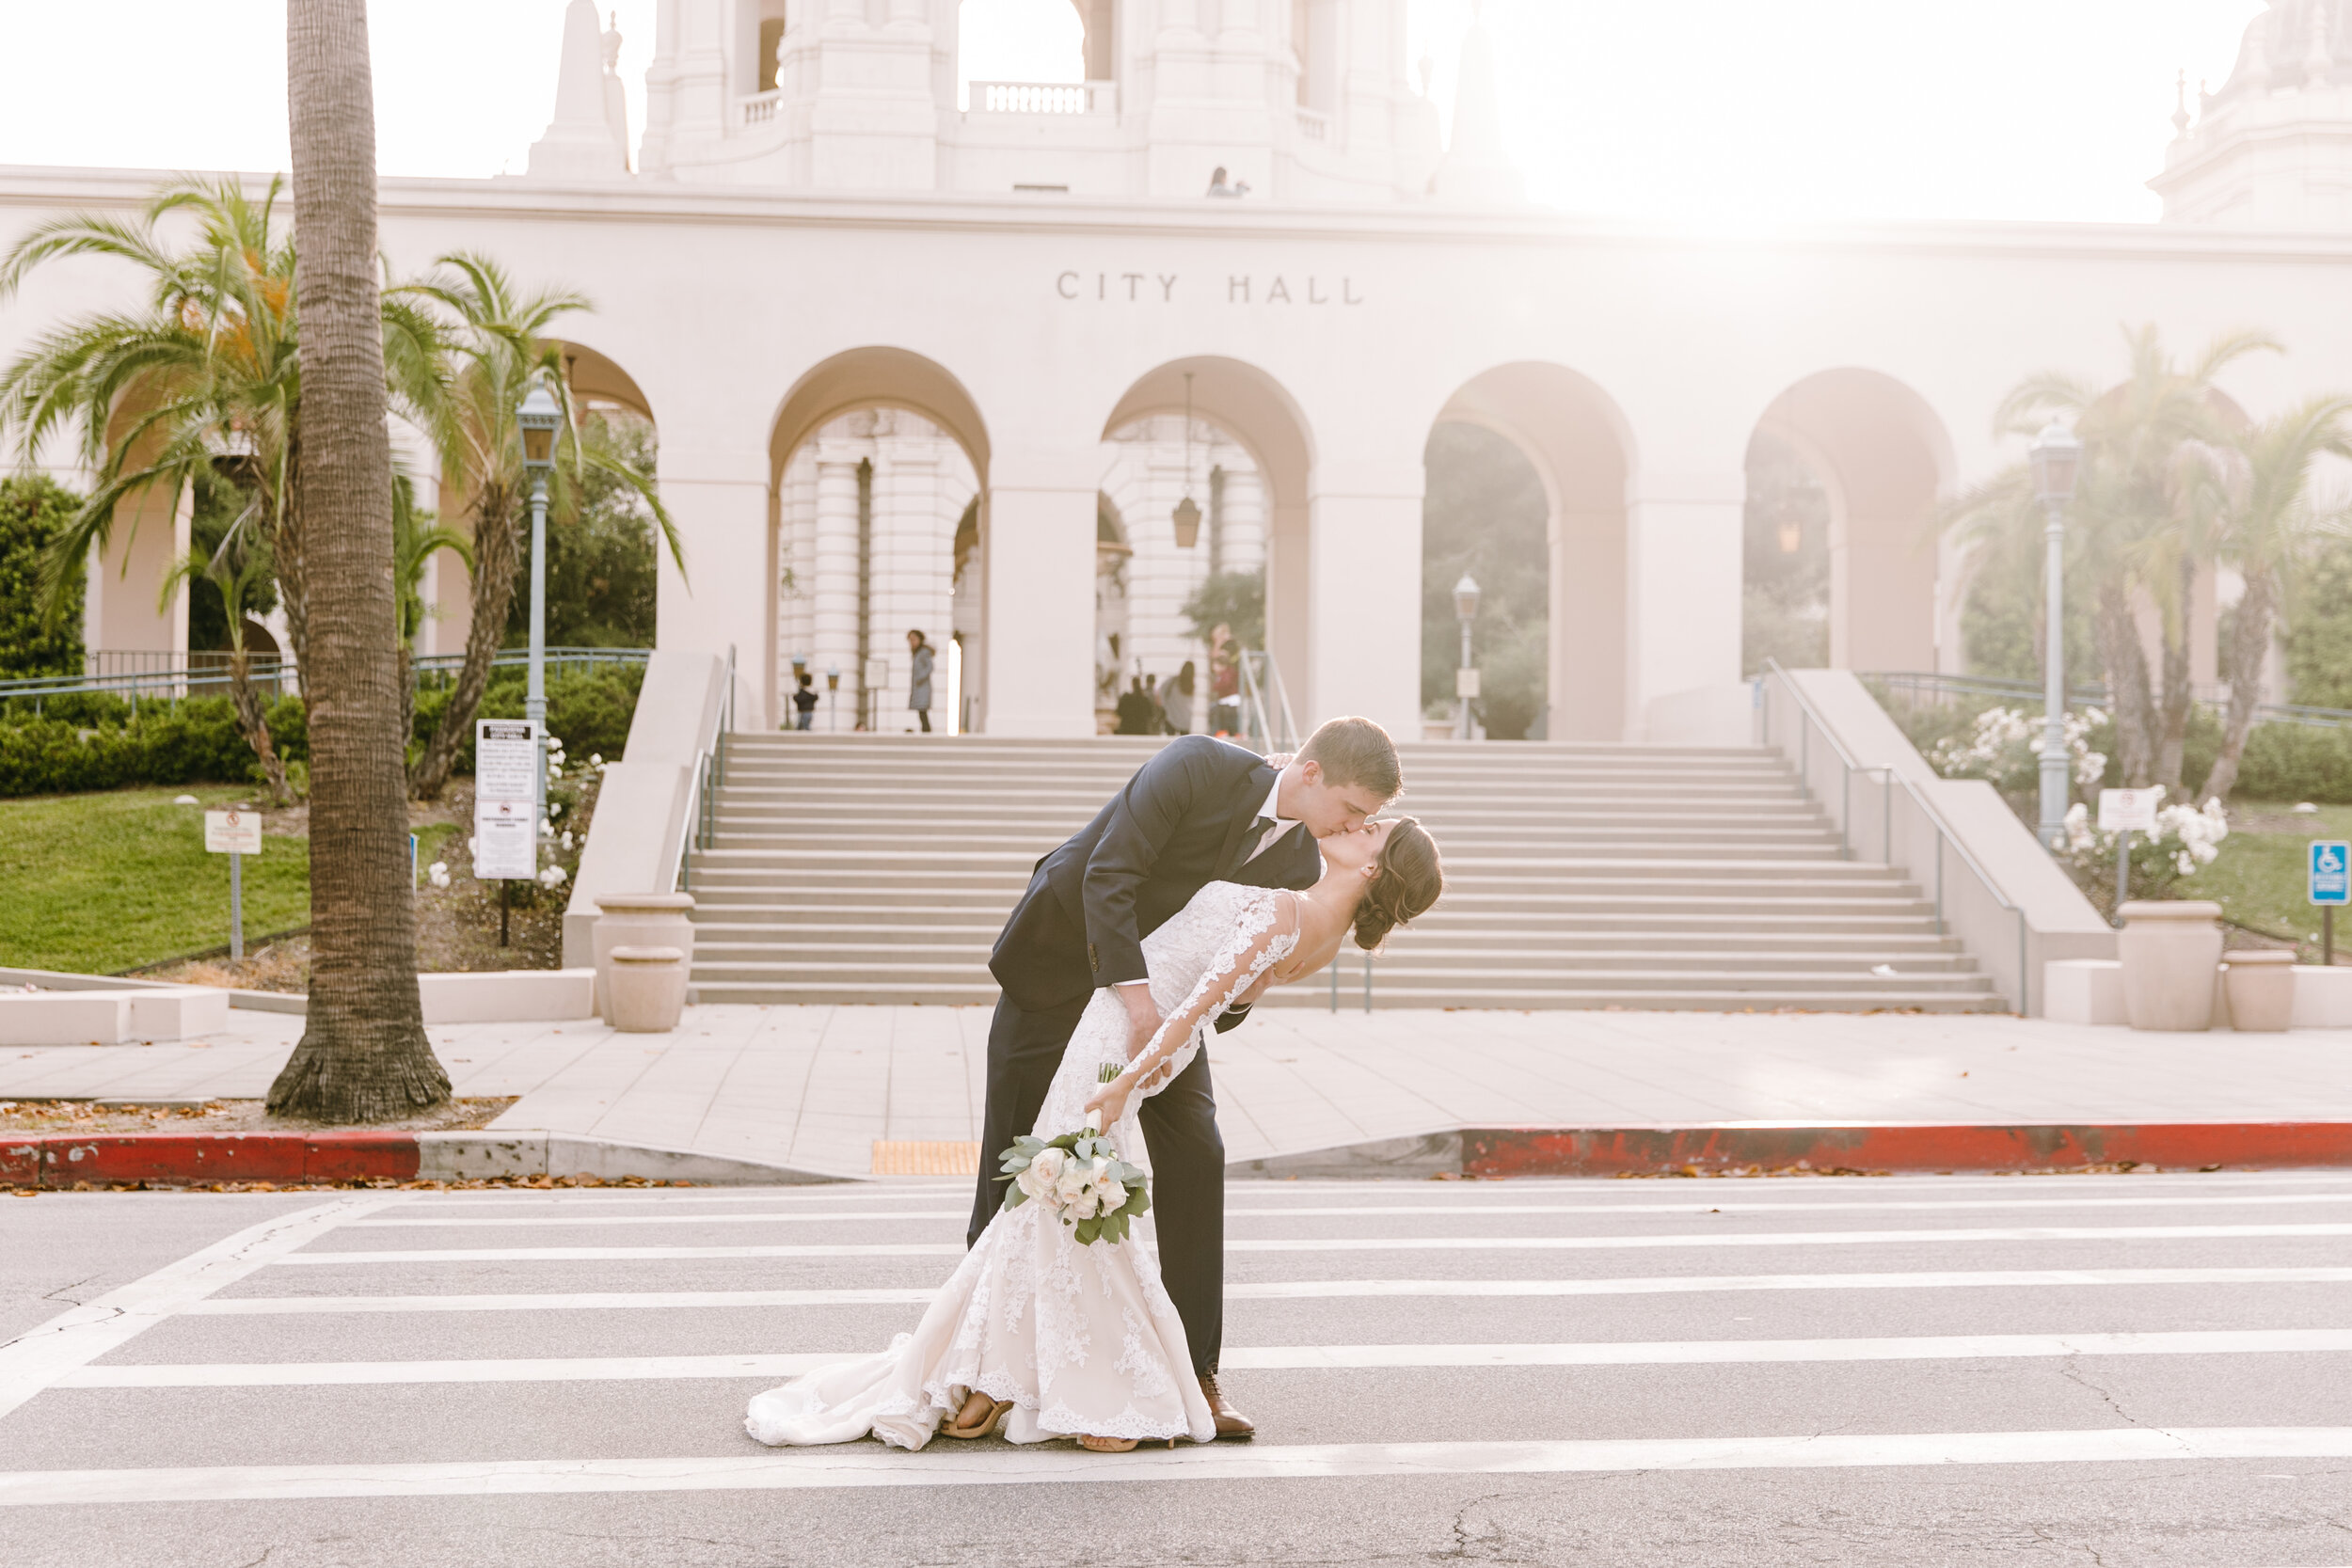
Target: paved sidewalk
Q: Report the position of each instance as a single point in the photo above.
(815, 1088)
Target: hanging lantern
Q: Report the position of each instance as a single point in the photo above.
(1187, 517)
(1791, 531)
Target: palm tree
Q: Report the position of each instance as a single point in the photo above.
(2157, 458)
(206, 373)
(2268, 527)
(498, 348)
(241, 569)
(363, 1054)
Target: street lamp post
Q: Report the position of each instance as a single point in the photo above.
(2056, 457)
(539, 418)
(1465, 674)
(833, 698)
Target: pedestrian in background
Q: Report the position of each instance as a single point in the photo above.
(919, 678)
(804, 702)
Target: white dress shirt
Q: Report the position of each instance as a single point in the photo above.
(1281, 824)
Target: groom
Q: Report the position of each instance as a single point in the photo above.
(1200, 811)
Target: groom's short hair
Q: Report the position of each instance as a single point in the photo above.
(1356, 752)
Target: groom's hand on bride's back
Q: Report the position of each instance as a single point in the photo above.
(1143, 1017)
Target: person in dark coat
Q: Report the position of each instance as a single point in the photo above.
(919, 679)
(1202, 810)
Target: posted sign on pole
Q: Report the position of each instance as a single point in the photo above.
(2129, 811)
(2330, 867)
(235, 832)
(505, 799)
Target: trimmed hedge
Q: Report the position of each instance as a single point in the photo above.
(87, 741)
(2296, 762)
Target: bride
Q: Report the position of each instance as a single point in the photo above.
(1050, 1338)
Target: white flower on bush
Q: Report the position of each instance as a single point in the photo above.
(596, 761)
(473, 846)
(2006, 742)
(2199, 833)
(1042, 1179)
(555, 808)
(551, 876)
(438, 873)
(566, 839)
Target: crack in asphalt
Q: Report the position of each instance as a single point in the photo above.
(2072, 1370)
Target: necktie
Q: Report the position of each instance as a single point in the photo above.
(1258, 829)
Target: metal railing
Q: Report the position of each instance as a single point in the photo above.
(1267, 722)
(1921, 688)
(1335, 980)
(710, 776)
(133, 674)
(1893, 787)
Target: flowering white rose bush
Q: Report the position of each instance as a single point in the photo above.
(2004, 748)
(2187, 839)
(1080, 1179)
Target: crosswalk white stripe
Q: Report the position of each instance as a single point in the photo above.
(1954, 1347)
(865, 1464)
(1352, 1244)
(426, 1219)
(35, 1359)
(1285, 1291)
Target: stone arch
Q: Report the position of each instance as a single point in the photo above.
(1264, 420)
(1884, 456)
(869, 539)
(598, 377)
(1578, 439)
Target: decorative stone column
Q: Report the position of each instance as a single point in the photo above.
(833, 590)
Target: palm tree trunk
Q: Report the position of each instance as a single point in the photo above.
(494, 557)
(2172, 735)
(363, 1055)
(254, 725)
(2250, 646)
(2118, 636)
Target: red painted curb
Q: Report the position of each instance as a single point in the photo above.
(1644, 1150)
(60, 1160)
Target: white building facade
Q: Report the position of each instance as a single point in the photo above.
(917, 365)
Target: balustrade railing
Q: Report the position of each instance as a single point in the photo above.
(761, 109)
(1315, 125)
(1915, 689)
(1267, 722)
(1044, 97)
(710, 776)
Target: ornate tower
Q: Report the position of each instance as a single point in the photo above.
(2272, 148)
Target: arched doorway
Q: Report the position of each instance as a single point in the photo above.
(1254, 519)
(1571, 437)
(878, 527)
(1878, 457)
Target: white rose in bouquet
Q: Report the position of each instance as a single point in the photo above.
(1044, 1173)
(1071, 1189)
(1110, 1195)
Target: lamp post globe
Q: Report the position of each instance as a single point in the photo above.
(2054, 459)
(538, 419)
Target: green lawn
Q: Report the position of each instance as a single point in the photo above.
(2258, 878)
(101, 883)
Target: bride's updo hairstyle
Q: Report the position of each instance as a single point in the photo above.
(1406, 884)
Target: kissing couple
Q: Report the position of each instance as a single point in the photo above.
(1213, 874)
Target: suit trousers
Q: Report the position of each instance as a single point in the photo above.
(1025, 1050)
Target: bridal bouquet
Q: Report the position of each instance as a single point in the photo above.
(1080, 1177)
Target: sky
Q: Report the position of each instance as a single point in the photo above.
(1713, 113)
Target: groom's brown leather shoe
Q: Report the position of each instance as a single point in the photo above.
(1229, 1421)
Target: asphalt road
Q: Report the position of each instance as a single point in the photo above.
(2147, 1370)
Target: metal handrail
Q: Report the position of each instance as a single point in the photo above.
(1889, 776)
(1266, 716)
(710, 761)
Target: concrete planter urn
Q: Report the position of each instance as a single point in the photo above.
(638, 920)
(648, 990)
(2170, 952)
(2260, 984)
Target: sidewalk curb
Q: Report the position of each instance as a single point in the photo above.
(60, 1160)
(1659, 1150)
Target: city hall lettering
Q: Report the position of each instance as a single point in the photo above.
(1141, 287)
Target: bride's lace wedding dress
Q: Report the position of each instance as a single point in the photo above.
(1080, 1339)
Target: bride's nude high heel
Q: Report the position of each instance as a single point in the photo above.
(1114, 1445)
(996, 1409)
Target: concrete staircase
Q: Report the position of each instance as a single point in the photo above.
(879, 868)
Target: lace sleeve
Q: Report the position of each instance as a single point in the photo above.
(1264, 930)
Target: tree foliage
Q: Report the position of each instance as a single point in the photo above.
(1485, 513)
(35, 513)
